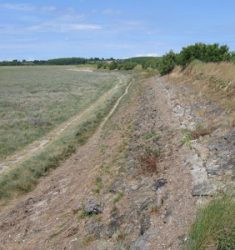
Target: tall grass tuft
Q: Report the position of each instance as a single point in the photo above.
(214, 227)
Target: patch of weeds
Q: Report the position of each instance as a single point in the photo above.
(154, 209)
(130, 128)
(199, 131)
(149, 163)
(187, 138)
(103, 148)
(219, 83)
(120, 237)
(83, 214)
(150, 135)
(202, 131)
(149, 160)
(88, 239)
(106, 168)
(153, 151)
(98, 185)
(114, 210)
(118, 197)
(214, 227)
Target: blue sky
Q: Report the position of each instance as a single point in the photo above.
(111, 28)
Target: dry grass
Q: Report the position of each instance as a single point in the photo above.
(24, 178)
(149, 160)
(35, 100)
(216, 80)
(214, 227)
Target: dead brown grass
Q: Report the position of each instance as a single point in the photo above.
(148, 163)
(214, 80)
(201, 131)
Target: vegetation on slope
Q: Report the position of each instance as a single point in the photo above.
(198, 51)
(214, 227)
(216, 81)
(166, 63)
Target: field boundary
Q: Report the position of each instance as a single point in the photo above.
(116, 105)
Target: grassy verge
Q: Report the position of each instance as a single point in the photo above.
(24, 178)
(214, 227)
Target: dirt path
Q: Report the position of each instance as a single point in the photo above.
(132, 170)
(38, 145)
(81, 70)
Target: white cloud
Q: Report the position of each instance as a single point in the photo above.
(48, 8)
(52, 26)
(16, 6)
(62, 27)
(27, 7)
(147, 54)
(82, 27)
(111, 12)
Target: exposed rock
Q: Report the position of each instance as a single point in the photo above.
(167, 216)
(94, 228)
(204, 189)
(144, 224)
(142, 243)
(223, 149)
(114, 224)
(93, 207)
(159, 183)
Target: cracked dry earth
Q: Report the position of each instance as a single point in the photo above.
(129, 187)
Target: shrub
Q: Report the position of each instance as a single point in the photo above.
(168, 63)
(204, 53)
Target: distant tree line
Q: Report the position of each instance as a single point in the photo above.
(58, 61)
(117, 64)
(109, 63)
(130, 63)
(165, 64)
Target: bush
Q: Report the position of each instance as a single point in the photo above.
(113, 65)
(168, 63)
(204, 53)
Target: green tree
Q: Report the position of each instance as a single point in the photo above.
(168, 63)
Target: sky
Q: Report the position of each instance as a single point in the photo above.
(111, 28)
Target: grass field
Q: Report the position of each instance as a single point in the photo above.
(36, 99)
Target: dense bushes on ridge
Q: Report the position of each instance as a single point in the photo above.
(198, 51)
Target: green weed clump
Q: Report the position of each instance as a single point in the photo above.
(214, 227)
